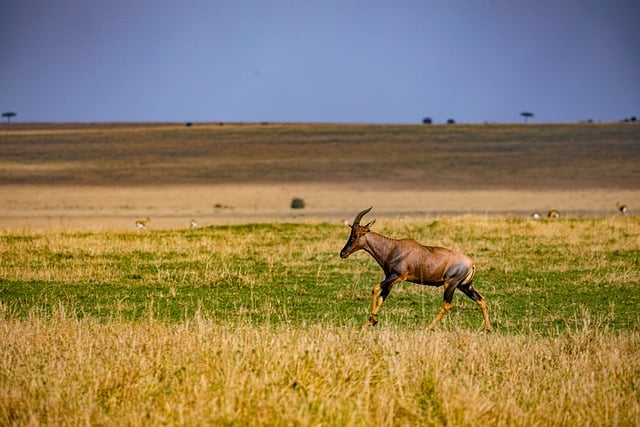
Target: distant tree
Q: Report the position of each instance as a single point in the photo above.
(633, 118)
(451, 122)
(527, 115)
(8, 115)
(426, 121)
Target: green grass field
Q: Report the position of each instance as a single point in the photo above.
(259, 324)
(538, 276)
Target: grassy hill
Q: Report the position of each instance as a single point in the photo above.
(538, 157)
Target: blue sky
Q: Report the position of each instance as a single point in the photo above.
(320, 61)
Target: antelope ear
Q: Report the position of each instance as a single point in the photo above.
(368, 226)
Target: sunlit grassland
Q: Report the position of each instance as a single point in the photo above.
(258, 325)
(535, 274)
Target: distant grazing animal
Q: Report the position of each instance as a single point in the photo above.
(553, 213)
(194, 223)
(624, 209)
(536, 215)
(408, 260)
(141, 224)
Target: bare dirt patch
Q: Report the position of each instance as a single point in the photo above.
(117, 208)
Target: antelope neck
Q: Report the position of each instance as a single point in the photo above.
(378, 246)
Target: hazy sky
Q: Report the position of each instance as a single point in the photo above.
(320, 61)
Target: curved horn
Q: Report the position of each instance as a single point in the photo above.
(356, 221)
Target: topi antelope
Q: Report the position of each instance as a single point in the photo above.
(141, 224)
(408, 260)
(624, 209)
(553, 213)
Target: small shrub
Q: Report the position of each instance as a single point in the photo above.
(297, 203)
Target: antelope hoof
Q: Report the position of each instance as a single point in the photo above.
(373, 321)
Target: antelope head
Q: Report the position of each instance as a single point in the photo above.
(357, 239)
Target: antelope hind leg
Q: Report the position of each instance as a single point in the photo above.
(449, 289)
(446, 306)
(469, 291)
(483, 307)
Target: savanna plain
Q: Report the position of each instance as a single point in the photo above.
(252, 318)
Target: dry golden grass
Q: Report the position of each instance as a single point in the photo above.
(65, 371)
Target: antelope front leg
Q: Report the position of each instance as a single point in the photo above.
(376, 302)
(379, 293)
